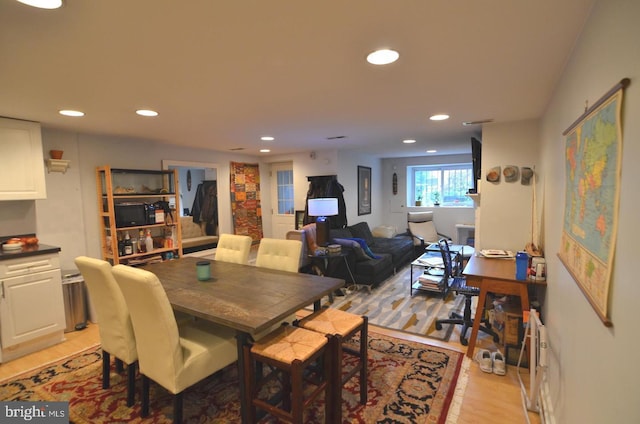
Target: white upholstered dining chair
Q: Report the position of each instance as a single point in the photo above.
(282, 255)
(233, 248)
(114, 322)
(279, 254)
(174, 357)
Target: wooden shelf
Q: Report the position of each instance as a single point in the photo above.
(141, 181)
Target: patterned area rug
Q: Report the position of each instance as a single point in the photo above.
(409, 382)
(390, 305)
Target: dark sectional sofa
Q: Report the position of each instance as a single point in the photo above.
(393, 253)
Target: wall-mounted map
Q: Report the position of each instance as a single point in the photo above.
(593, 152)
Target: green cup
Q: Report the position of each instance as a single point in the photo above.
(203, 269)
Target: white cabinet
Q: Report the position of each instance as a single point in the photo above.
(21, 161)
(31, 305)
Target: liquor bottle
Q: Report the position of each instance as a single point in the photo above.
(142, 248)
(120, 245)
(128, 246)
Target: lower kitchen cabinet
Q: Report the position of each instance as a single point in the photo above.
(31, 305)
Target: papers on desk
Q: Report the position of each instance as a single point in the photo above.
(497, 253)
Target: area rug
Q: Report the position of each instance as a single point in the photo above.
(408, 382)
(390, 305)
(245, 200)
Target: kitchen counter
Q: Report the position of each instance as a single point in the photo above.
(26, 251)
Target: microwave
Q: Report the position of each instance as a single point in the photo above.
(132, 214)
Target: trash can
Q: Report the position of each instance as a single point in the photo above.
(75, 305)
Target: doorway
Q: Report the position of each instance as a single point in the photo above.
(283, 211)
(193, 177)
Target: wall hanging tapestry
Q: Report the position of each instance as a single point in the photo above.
(593, 149)
(245, 200)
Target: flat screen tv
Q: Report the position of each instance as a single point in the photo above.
(476, 158)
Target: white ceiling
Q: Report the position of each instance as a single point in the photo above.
(222, 73)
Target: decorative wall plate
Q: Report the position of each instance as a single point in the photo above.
(511, 173)
(493, 175)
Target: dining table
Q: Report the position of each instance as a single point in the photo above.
(246, 298)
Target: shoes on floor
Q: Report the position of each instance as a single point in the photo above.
(483, 356)
(499, 365)
(491, 362)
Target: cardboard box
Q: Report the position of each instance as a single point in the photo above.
(512, 353)
(513, 331)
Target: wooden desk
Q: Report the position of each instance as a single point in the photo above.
(246, 298)
(495, 276)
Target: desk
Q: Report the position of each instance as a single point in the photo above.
(495, 276)
(246, 298)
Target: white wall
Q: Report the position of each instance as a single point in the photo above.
(595, 374)
(395, 207)
(69, 216)
(504, 215)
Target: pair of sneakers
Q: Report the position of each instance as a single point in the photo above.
(491, 362)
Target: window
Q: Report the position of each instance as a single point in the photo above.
(285, 191)
(445, 185)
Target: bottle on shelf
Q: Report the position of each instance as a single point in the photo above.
(148, 241)
(142, 247)
(128, 246)
(120, 245)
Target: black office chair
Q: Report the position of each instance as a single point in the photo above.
(459, 285)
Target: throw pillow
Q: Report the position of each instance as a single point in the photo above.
(365, 247)
(384, 231)
(426, 230)
(361, 230)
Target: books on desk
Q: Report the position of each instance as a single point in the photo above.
(497, 253)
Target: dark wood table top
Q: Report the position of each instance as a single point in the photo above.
(244, 297)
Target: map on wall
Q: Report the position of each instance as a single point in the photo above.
(593, 152)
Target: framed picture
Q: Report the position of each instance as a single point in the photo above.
(299, 220)
(364, 190)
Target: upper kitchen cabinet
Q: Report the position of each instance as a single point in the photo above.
(21, 161)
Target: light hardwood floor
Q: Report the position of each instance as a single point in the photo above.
(488, 398)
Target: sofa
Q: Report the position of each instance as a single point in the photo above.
(392, 252)
(195, 237)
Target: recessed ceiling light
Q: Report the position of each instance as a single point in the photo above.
(439, 117)
(408, 141)
(67, 112)
(43, 4)
(383, 57)
(265, 150)
(267, 138)
(431, 151)
(146, 112)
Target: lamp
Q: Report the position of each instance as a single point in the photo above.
(321, 209)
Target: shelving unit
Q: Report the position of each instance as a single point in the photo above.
(125, 186)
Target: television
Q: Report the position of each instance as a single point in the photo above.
(476, 159)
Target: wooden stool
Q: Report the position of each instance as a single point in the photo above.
(292, 351)
(343, 326)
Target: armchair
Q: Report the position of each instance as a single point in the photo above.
(422, 229)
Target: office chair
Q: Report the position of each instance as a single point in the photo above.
(459, 285)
